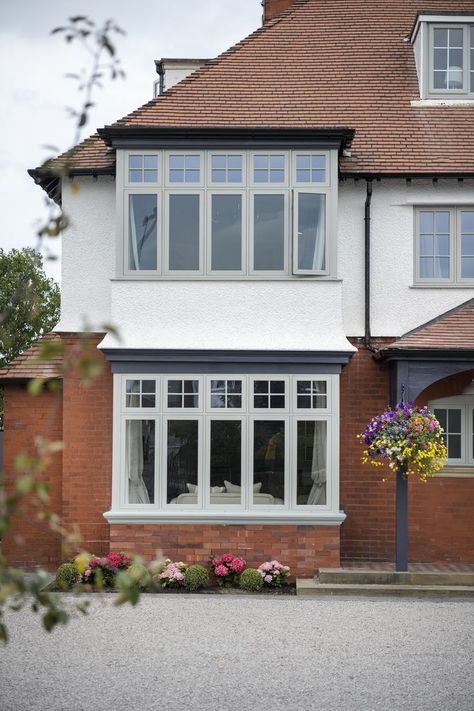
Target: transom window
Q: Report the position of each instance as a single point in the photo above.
(142, 168)
(229, 214)
(445, 245)
(456, 417)
(244, 446)
(184, 168)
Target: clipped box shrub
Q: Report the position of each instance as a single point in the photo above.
(196, 577)
(67, 575)
(251, 580)
(140, 575)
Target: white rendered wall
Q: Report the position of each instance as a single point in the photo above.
(299, 313)
(397, 305)
(88, 254)
(247, 315)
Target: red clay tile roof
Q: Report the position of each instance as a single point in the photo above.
(27, 365)
(323, 64)
(453, 329)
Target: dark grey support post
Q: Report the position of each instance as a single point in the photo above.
(401, 526)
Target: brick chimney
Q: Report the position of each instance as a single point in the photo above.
(272, 8)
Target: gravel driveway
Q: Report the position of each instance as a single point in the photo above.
(228, 652)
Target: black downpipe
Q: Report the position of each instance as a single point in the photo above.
(368, 200)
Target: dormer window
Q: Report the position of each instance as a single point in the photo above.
(444, 53)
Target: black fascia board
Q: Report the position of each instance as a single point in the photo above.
(405, 175)
(263, 357)
(225, 137)
(426, 354)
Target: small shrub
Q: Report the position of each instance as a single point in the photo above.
(101, 572)
(196, 577)
(251, 580)
(140, 575)
(67, 575)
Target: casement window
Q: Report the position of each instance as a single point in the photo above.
(248, 443)
(444, 245)
(227, 214)
(456, 417)
(451, 59)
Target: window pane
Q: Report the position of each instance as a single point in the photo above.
(311, 232)
(260, 162)
(311, 463)
(184, 232)
(441, 416)
(441, 268)
(140, 460)
(269, 232)
(142, 232)
(269, 462)
(135, 162)
(150, 162)
(177, 162)
(426, 223)
(454, 446)
(467, 222)
(226, 232)
(218, 162)
(440, 80)
(467, 268)
(455, 37)
(426, 268)
(440, 37)
(193, 162)
(454, 421)
(440, 58)
(226, 461)
(441, 222)
(234, 162)
(182, 462)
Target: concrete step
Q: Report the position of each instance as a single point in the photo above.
(310, 587)
(382, 577)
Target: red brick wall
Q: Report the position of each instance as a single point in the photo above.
(303, 548)
(441, 511)
(87, 456)
(30, 543)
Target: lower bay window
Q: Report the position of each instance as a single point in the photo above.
(248, 443)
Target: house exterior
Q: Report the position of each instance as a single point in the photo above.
(285, 242)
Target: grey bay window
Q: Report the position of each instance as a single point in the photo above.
(246, 443)
(444, 245)
(227, 214)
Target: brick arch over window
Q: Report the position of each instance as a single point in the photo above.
(451, 386)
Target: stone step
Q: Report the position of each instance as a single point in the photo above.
(384, 577)
(309, 587)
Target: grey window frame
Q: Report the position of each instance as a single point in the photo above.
(455, 246)
(454, 94)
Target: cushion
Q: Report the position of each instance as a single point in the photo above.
(234, 488)
(192, 488)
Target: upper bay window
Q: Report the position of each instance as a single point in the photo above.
(227, 214)
(444, 245)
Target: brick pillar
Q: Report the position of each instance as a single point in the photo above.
(87, 456)
(31, 544)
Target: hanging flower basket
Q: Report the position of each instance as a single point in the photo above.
(410, 438)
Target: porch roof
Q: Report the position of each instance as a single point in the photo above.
(29, 365)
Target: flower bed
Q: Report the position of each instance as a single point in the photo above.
(225, 573)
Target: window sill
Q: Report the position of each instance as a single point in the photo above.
(456, 473)
(283, 277)
(323, 518)
(420, 103)
(428, 285)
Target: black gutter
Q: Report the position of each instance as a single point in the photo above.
(426, 354)
(368, 201)
(344, 174)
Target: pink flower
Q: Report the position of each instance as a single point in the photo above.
(114, 559)
(268, 579)
(238, 565)
(94, 562)
(266, 566)
(227, 558)
(276, 564)
(221, 571)
(286, 568)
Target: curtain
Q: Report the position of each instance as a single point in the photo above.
(137, 491)
(133, 234)
(319, 257)
(317, 495)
